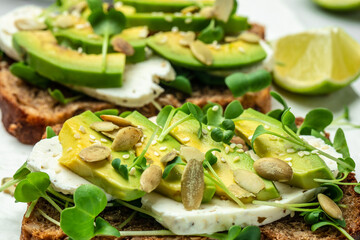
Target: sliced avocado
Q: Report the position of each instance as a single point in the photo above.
(166, 22)
(164, 5)
(186, 133)
(305, 168)
(41, 52)
(171, 186)
(100, 173)
(226, 56)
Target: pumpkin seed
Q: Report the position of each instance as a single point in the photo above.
(192, 184)
(121, 122)
(150, 178)
(121, 45)
(329, 206)
(169, 156)
(207, 12)
(126, 139)
(249, 37)
(104, 126)
(111, 134)
(187, 39)
(239, 192)
(248, 180)
(64, 21)
(273, 169)
(188, 153)
(95, 153)
(10, 190)
(190, 9)
(28, 24)
(230, 39)
(223, 9)
(201, 52)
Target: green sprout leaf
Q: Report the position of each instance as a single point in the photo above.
(233, 232)
(78, 221)
(228, 124)
(180, 83)
(197, 113)
(357, 189)
(19, 175)
(240, 83)
(125, 114)
(29, 75)
(249, 233)
(317, 119)
(114, 112)
(233, 110)
(32, 187)
(214, 115)
(217, 135)
(314, 216)
(333, 191)
(120, 168)
(59, 96)
(163, 115)
(210, 157)
(260, 130)
(318, 225)
(280, 99)
(349, 167)
(288, 119)
(171, 165)
(277, 113)
(228, 135)
(50, 132)
(340, 143)
(211, 33)
(95, 5)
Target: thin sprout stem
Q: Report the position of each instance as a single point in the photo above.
(147, 233)
(31, 208)
(48, 217)
(123, 224)
(139, 209)
(59, 195)
(168, 120)
(9, 184)
(346, 234)
(47, 198)
(104, 50)
(167, 131)
(280, 205)
(156, 105)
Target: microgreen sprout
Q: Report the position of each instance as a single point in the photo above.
(211, 33)
(180, 83)
(114, 112)
(171, 165)
(344, 120)
(50, 132)
(19, 175)
(59, 96)
(29, 75)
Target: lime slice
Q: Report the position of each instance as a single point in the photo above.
(317, 61)
(338, 5)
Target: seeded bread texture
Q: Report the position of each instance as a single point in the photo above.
(38, 228)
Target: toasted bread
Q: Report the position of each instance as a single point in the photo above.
(38, 228)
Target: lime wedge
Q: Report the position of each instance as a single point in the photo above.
(338, 5)
(316, 62)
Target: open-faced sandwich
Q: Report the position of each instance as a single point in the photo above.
(81, 55)
(191, 173)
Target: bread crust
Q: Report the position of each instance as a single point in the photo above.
(38, 228)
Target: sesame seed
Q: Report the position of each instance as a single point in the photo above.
(80, 50)
(69, 149)
(188, 20)
(204, 131)
(91, 140)
(290, 150)
(315, 151)
(233, 145)
(126, 156)
(307, 153)
(209, 128)
(132, 171)
(97, 142)
(174, 29)
(187, 139)
(250, 137)
(241, 49)
(223, 160)
(215, 108)
(77, 136)
(325, 147)
(273, 138)
(239, 145)
(163, 39)
(163, 148)
(178, 14)
(290, 164)
(236, 159)
(103, 140)
(82, 129)
(227, 149)
(138, 144)
(266, 126)
(153, 142)
(142, 139)
(168, 18)
(240, 150)
(288, 159)
(92, 137)
(156, 153)
(301, 153)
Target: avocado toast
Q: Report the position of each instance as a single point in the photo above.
(64, 44)
(172, 150)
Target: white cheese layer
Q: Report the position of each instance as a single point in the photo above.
(44, 158)
(140, 85)
(8, 28)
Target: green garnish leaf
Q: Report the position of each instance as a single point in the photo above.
(233, 110)
(228, 124)
(317, 119)
(314, 216)
(279, 98)
(277, 113)
(240, 83)
(211, 33)
(319, 135)
(350, 165)
(120, 168)
(29, 75)
(32, 187)
(50, 132)
(95, 5)
(357, 189)
(171, 165)
(288, 119)
(125, 114)
(318, 225)
(233, 232)
(217, 135)
(214, 115)
(59, 96)
(228, 135)
(114, 112)
(333, 191)
(260, 130)
(197, 114)
(210, 157)
(22, 172)
(340, 143)
(249, 233)
(180, 83)
(163, 115)
(78, 221)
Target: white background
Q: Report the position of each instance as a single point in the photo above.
(280, 17)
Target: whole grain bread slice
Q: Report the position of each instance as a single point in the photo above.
(37, 227)
(27, 110)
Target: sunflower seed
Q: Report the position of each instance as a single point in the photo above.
(104, 126)
(64, 21)
(121, 45)
(222, 9)
(329, 206)
(28, 24)
(248, 181)
(207, 12)
(192, 184)
(126, 139)
(201, 52)
(230, 39)
(169, 157)
(239, 192)
(95, 153)
(111, 134)
(187, 39)
(190, 9)
(249, 37)
(150, 178)
(121, 122)
(273, 169)
(188, 153)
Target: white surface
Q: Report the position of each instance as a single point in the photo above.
(280, 17)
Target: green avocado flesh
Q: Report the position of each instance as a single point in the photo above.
(186, 133)
(171, 186)
(42, 52)
(100, 173)
(166, 22)
(305, 168)
(226, 56)
(164, 5)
